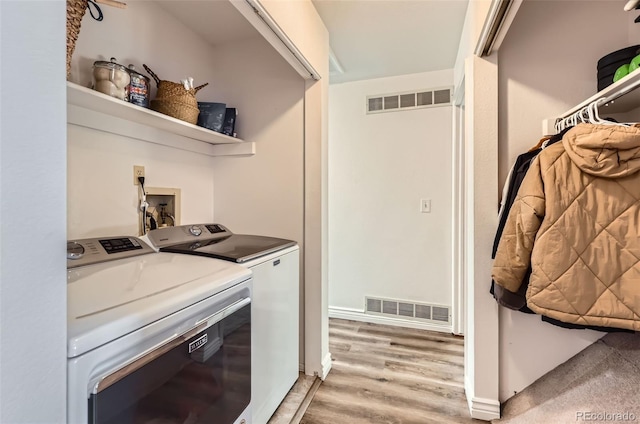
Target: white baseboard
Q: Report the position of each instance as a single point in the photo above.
(359, 315)
(468, 390)
(326, 366)
(480, 408)
(484, 409)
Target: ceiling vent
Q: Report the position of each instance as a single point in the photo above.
(407, 310)
(409, 100)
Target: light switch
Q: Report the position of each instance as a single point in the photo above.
(425, 205)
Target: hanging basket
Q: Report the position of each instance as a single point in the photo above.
(174, 100)
(75, 12)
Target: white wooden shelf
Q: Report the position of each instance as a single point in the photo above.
(92, 109)
(622, 104)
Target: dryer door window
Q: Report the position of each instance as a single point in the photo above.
(201, 377)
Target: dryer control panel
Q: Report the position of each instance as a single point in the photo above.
(97, 250)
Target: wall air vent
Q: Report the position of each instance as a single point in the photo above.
(407, 310)
(374, 305)
(423, 311)
(442, 97)
(439, 313)
(389, 307)
(375, 104)
(390, 102)
(425, 98)
(409, 100)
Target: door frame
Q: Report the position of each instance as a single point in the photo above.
(458, 208)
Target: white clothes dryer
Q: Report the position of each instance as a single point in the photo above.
(275, 263)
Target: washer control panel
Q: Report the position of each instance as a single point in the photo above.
(170, 236)
(215, 228)
(74, 250)
(195, 230)
(96, 250)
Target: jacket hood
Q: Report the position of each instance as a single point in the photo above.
(607, 151)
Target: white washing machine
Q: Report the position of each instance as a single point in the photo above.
(275, 264)
(156, 338)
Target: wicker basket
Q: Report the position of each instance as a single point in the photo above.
(174, 100)
(75, 11)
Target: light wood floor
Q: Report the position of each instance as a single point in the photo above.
(297, 400)
(390, 375)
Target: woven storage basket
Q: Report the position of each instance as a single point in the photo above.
(174, 100)
(75, 11)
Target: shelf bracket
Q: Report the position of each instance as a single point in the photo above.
(247, 148)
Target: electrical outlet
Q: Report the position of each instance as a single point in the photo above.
(425, 205)
(138, 171)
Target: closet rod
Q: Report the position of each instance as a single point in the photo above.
(609, 94)
(622, 91)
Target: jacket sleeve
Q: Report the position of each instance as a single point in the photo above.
(514, 250)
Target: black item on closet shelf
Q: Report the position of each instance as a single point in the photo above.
(622, 54)
(608, 64)
(604, 82)
(612, 68)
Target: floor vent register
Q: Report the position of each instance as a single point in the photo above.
(407, 310)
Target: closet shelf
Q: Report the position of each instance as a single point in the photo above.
(622, 104)
(99, 102)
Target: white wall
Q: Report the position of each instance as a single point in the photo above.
(32, 213)
(262, 194)
(540, 79)
(102, 198)
(145, 33)
(380, 166)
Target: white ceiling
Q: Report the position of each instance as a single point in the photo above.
(381, 38)
(369, 38)
(218, 22)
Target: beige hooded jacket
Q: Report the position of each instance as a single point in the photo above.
(576, 220)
